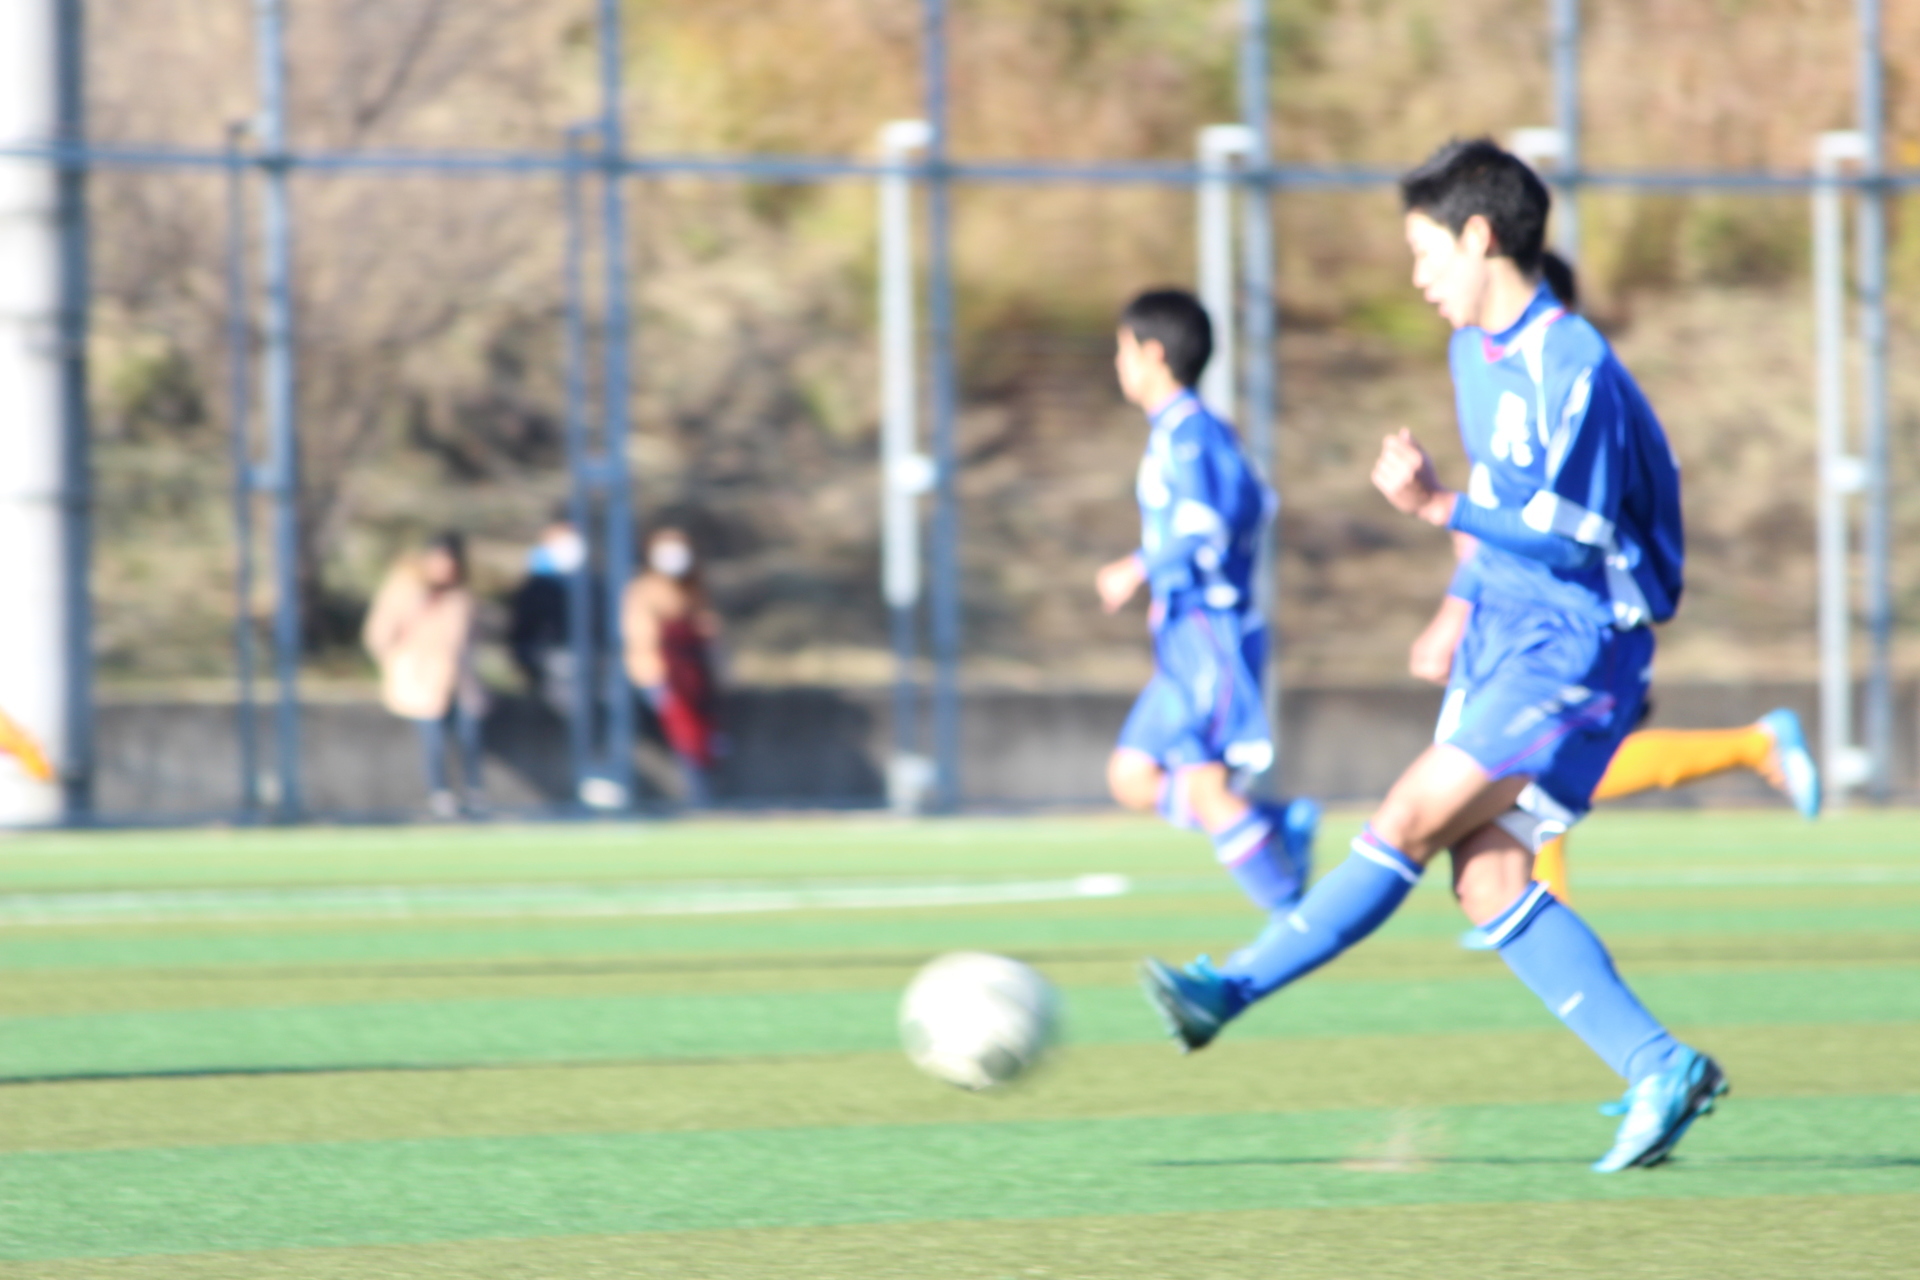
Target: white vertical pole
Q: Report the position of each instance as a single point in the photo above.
(1219, 144)
(1841, 473)
(905, 472)
(34, 648)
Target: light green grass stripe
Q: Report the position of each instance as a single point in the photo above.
(851, 846)
(1135, 922)
(424, 1033)
(119, 1203)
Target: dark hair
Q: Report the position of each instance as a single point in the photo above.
(454, 543)
(1559, 276)
(1175, 319)
(1463, 179)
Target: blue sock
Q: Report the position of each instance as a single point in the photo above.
(1255, 856)
(1347, 904)
(1551, 950)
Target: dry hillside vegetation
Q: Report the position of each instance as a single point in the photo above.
(429, 307)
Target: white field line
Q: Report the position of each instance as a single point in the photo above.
(569, 900)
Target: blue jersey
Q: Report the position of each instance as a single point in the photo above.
(1202, 509)
(1574, 492)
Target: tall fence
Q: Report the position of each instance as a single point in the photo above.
(46, 158)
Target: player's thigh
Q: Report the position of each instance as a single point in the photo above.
(1134, 778)
(1491, 868)
(1443, 795)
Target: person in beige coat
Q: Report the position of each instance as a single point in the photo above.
(420, 631)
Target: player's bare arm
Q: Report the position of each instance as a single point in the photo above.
(1117, 582)
(1430, 657)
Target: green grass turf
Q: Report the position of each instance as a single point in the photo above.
(210, 1067)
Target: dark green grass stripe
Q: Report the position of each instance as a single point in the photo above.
(121, 1203)
(599, 1028)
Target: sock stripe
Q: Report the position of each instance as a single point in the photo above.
(1389, 858)
(1510, 922)
(1237, 846)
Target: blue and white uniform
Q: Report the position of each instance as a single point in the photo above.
(1574, 497)
(1202, 511)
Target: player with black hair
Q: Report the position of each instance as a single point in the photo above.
(1198, 732)
(1574, 500)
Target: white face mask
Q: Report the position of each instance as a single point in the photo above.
(671, 557)
(566, 551)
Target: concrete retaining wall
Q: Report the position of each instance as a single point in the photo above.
(827, 747)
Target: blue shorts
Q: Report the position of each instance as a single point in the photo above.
(1204, 702)
(1547, 696)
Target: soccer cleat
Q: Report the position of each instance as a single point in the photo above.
(1299, 824)
(1799, 776)
(1659, 1110)
(1193, 1003)
(1476, 940)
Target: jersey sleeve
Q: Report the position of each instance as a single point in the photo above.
(1568, 523)
(1466, 580)
(1198, 534)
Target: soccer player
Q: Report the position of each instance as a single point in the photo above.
(1198, 732)
(1774, 746)
(1574, 499)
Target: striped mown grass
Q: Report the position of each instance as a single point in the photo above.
(653, 1051)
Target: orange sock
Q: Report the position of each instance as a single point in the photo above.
(1550, 868)
(1667, 758)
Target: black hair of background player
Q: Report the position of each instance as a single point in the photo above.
(1175, 319)
(1558, 273)
(1478, 176)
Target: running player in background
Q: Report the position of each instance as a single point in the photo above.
(1574, 500)
(1198, 732)
(670, 629)
(1774, 746)
(15, 741)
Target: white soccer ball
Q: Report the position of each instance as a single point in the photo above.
(977, 1020)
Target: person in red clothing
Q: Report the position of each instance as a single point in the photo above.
(669, 630)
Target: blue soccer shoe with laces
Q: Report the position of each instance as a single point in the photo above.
(1659, 1110)
(1799, 776)
(1194, 1003)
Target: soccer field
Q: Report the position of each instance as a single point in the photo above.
(670, 1051)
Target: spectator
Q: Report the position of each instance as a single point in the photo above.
(538, 634)
(420, 632)
(670, 628)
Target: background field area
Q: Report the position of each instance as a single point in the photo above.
(669, 1051)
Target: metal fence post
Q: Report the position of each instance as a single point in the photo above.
(1566, 114)
(905, 472)
(1260, 306)
(280, 391)
(946, 593)
(580, 473)
(1871, 257)
(619, 482)
(240, 384)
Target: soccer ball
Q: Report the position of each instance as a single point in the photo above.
(977, 1020)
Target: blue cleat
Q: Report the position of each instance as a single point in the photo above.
(1299, 824)
(1193, 1003)
(1659, 1111)
(1799, 776)
(1476, 940)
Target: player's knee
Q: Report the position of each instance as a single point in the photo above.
(1133, 780)
(1211, 797)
